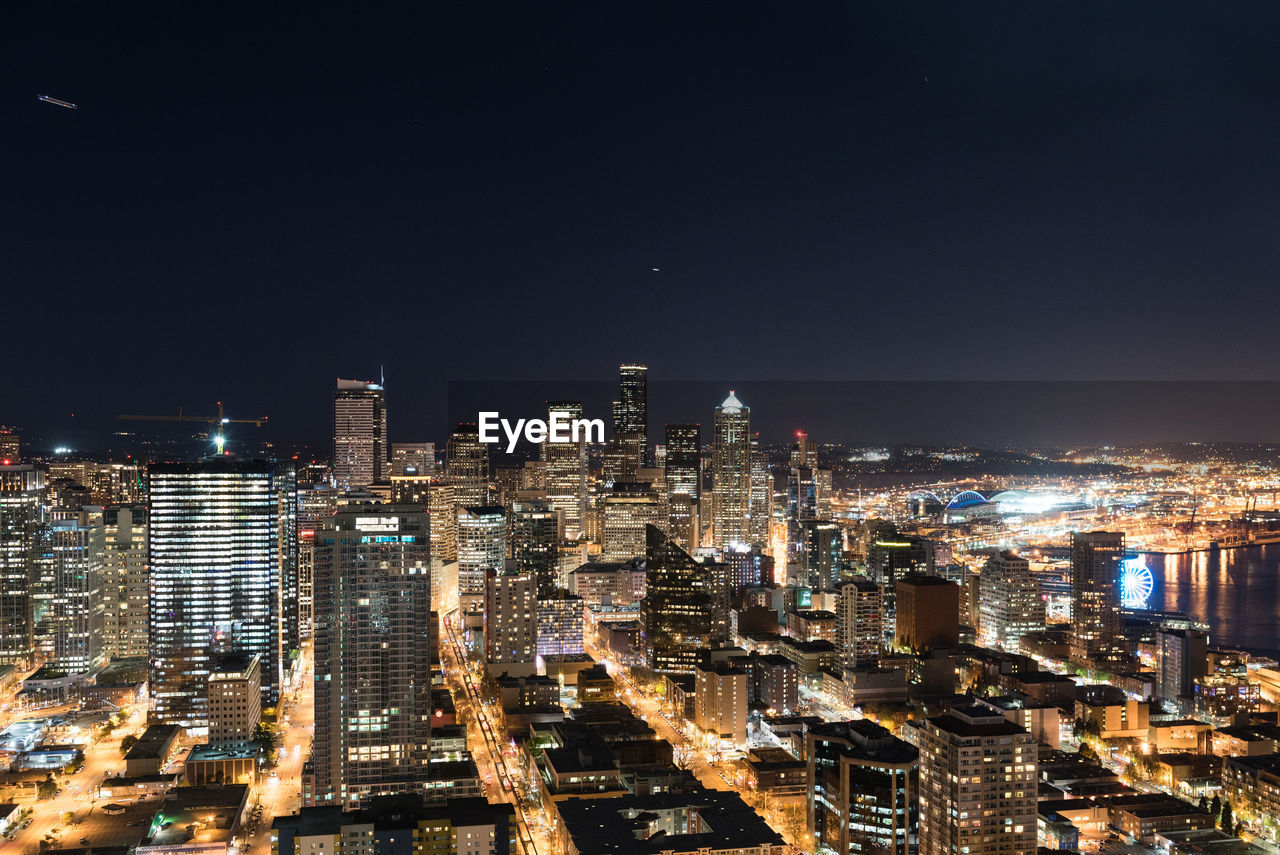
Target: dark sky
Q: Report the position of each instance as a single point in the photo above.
(251, 202)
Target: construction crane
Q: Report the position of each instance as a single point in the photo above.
(214, 433)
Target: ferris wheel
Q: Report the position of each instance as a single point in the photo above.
(1136, 583)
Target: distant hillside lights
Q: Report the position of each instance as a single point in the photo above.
(559, 429)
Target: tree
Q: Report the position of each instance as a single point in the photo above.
(68, 817)
(1226, 822)
(127, 743)
(1215, 807)
(47, 789)
(1077, 729)
(1204, 802)
(267, 739)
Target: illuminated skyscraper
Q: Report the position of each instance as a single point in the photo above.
(628, 510)
(482, 546)
(821, 554)
(9, 447)
(1010, 601)
(359, 434)
(126, 581)
(682, 469)
(977, 784)
(629, 445)
(467, 466)
(217, 561)
(1095, 595)
(372, 655)
(677, 607)
(443, 507)
(413, 458)
(566, 470)
(78, 550)
(23, 535)
(859, 623)
(510, 621)
(631, 410)
(535, 544)
(730, 473)
(865, 792)
(760, 508)
(684, 459)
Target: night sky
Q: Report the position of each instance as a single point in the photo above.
(250, 202)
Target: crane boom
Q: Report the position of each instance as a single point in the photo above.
(214, 433)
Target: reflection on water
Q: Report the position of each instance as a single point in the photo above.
(1236, 591)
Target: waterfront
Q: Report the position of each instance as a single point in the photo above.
(1235, 591)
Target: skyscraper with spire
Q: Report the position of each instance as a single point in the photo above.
(359, 433)
(731, 473)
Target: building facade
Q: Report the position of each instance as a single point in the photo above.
(372, 655)
(359, 434)
(218, 554)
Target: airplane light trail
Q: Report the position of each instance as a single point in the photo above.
(49, 99)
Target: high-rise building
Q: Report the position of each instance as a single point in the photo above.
(720, 702)
(928, 613)
(126, 582)
(891, 555)
(683, 464)
(23, 538)
(372, 655)
(821, 552)
(442, 505)
(217, 563)
(628, 510)
(859, 622)
(677, 608)
(1010, 601)
(467, 465)
(1095, 595)
(9, 447)
(235, 700)
(682, 521)
(566, 471)
(760, 505)
(359, 433)
(482, 546)
(865, 792)
(510, 619)
(535, 544)
(804, 453)
(631, 410)
(731, 473)
(75, 621)
(560, 619)
(412, 458)
(1182, 657)
(977, 784)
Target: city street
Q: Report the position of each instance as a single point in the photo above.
(281, 794)
(486, 739)
(79, 791)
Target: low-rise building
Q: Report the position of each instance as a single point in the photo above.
(207, 765)
(1252, 784)
(198, 821)
(152, 750)
(1144, 815)
(699, 822)
(462, 826)
(1184, 734)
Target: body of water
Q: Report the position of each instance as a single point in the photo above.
(1235, 591)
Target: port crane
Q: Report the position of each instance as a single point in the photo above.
(215, 423)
